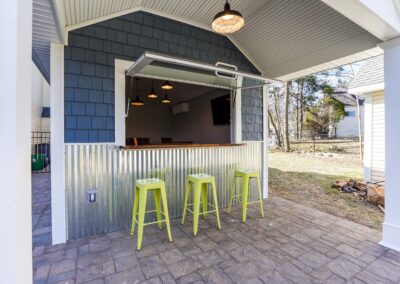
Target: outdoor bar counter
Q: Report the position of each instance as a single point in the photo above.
(179, 145)
(111, 171)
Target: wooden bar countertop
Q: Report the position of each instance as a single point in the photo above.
(178, 145)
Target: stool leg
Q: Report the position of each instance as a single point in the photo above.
(142, 210)
(166, 214)
(157, 202)
(204, 189)
(260, 196)
(196, 207)
(232, 194)
(134, 210)
(245, 196)
(186, 201)
(214, 189)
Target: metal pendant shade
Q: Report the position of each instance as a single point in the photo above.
(166, 100)
(137, 101)
(152, 94)
(227, 21)
(166, 86)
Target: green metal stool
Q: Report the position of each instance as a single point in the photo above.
(141, 189)
(246, 176)
(200, 187)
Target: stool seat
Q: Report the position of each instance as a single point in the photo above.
(246, 175)
(250, 173)
(200, 178)
(142, 186)
(200, 184)
(149, 182)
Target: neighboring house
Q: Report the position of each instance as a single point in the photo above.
(369, 82)
(40, 102)
(348, 126)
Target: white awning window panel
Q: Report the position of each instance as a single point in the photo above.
(165, 67)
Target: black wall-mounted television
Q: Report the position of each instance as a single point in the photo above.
(221, 110)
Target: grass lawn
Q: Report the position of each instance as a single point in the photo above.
(307, 179)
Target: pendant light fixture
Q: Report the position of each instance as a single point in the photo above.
(137, 101)
(166, 100)
(227, 21)
(152, 94)
(166, 86)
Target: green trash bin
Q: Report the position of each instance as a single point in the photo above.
(38, 162)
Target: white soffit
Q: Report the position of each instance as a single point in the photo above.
(280, 37)
(333, 64)
(44, 30)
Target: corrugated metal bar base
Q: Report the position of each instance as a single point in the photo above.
(112, 173)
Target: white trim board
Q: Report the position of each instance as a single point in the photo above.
(58, 193)
(367, 89)
(368, 137)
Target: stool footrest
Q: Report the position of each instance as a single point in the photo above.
(150, 223)
(201, 213)
(250, 202)
(151, 211)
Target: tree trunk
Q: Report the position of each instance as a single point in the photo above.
(286, 133)
(301, 111)
(278, 118)
(360, 142)
(278, 136)
(297, 116)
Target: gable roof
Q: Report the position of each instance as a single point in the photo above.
(284, 39)
(370, 73)
(346, 98)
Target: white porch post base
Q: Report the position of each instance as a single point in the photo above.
(265, 142)
(391, 236)
(58, 201)
(391, 226)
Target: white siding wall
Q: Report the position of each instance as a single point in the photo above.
(46, 103)
(40, 98)
(348, 126)
(37, 98)
(378, 138)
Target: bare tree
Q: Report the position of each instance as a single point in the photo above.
(286, 133)
(277, 133)
(360, 142)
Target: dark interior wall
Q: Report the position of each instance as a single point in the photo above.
(197, 125)
(153, 121)
(89, 65)
(156, 120)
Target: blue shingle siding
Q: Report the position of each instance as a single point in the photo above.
(89, 68)
(252, 112)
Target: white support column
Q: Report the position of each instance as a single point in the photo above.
(265, 142)
(58, 201)
(391, 226)
(368, 137)
(15, 125)
(236, 131)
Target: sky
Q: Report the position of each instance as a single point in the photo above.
(334, 78)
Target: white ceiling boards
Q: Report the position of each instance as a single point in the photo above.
(280, 37)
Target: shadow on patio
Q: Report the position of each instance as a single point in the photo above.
(293, 243)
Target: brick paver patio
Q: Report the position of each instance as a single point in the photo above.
(292, 244)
